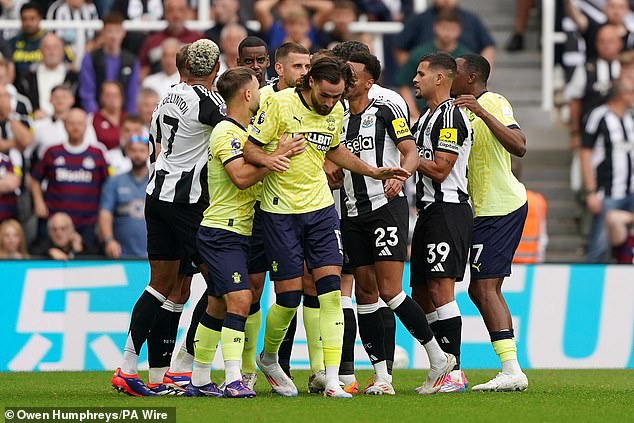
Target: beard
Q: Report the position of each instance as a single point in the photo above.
(319, 108)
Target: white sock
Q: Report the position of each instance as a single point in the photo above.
(431, 317)
(183, 362)
(511, 367)
(380, 368)
(347, 379)
(437, 357)
(130, 358)
(269, 358)
(157, 374)
(232, 371)
(332, 376)
(201, 375)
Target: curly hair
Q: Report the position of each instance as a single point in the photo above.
(202, 57)
(327, 67)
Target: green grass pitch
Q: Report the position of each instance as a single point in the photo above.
(552, 396)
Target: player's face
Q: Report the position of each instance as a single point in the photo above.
(424, 81)
(294, 66)
(362, 81)
(256, 58)
(459, 85)
(325, 95)
(254, 100)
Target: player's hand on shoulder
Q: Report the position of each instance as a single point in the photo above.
(334, 174)
(392, 188)
(470, 102)
(397, 173)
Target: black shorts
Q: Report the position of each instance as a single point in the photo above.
(495, 239)
(292, 238)
(377, 236)
(226, 254)
(441, 241)
(257, 258)
(171, 229)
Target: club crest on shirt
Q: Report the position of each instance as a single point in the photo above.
(331, 123)
(88, 163)
(59, 161)
(368, 121)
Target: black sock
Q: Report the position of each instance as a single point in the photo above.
(199, 310)
(162, 337)
(143, 315)
(414, 320)
(346, 367)
(389, 325)
(286, 347)
(434, 326)
(372, 334)
(449, 336)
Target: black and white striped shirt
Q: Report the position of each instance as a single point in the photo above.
(372, 136)
(591, 83)
(182, 123)
(611, 139)
(447, 129)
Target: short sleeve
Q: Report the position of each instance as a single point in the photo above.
(39, 170)
(108, 195)
(396, 124)
(453, 131)
(501, 109)
(266, 123)
(212, 109)
(227, 147)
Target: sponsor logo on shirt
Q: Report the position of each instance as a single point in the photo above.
(322, 141)
(359, 144)
(400, 127)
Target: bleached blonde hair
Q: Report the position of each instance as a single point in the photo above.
(202, 56)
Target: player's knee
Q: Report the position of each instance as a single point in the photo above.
(328, 284)
(239, 302)
(288, 299)
(476, 293)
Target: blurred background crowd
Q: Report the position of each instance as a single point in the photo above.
(76, 102)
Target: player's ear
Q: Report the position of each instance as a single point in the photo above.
(278, 68)
(311, 82)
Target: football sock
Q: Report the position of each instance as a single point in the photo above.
(205, 345)
(371, 331)
(277, 320)
(389, 326)
(313, 338)
(504, 346)
(346, 367)
(200, 308)
(286, 347)
(143, 314)
(251, 331)
(183, 362)
(162, 338)
(449, 332)
(232, 342)
(331, 328)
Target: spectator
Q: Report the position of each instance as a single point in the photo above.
(10, 10)
(37, 83)
(522, 10)
(9, 183)
(74, 10)
(606, 162)
(138, 11)
(20, 104)
(109, 63)
(146, 102)
(168, 76)
(107, 120)
(12, 242)
(74, 173)
(271, 14)
(344, 12)
(418, 30)
(225, 12)
(591, 82)
(132, 128)
(297, 27)
(620, 224)
(121, 218)
(230, 37)
(50, 130)
(615, 13)
(175, 15)
(14, 133)
(446, 38)
(63, 241)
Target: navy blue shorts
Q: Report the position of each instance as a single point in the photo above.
(495, 239)
(290, 239)
(226, 254)
(257, 258)
(440, 244)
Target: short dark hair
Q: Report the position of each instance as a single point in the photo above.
(371, 63)
(133, 119)
(345, 49)
(114, 18)
(289, 47)
(327, 67)
(112, 82)
(474, 63)
(252, 41)
(346, 4)
(181, 59)
(442, 61)
(63, 86)
(230, 82)
(447, 15)
(32, 6)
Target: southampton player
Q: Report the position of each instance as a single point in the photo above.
(292, 61)
(223, 237)
(176, 198)
(442, 235)
(300, 221)
(366, 293)
(499, 201)
(375, 214)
